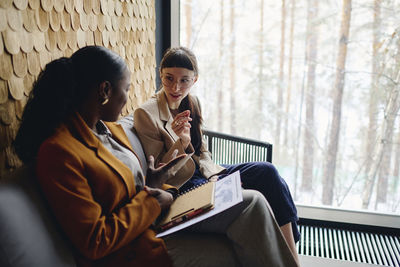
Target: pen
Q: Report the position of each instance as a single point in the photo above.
(181, 219)
(193, 214)
(171, 224)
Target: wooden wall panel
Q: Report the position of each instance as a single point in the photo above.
(34, 32)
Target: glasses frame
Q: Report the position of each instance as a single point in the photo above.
(167, 83)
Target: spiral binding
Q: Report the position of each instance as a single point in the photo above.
(193, 188)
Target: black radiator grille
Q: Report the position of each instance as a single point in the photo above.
(380, 249)
(318, 238)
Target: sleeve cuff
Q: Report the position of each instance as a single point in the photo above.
(173, 192)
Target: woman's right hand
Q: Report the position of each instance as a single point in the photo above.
(164, 198)
(156, 177)
(181, 127)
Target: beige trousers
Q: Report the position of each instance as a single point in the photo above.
(245, 235)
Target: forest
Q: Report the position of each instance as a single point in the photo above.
(319, 79)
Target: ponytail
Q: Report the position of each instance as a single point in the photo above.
(49, 103)
(190, 103)
(61, 88)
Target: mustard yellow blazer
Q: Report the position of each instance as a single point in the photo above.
(92, 195)
(153, 125)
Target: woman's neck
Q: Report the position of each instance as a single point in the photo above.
(174, 112)
(173, 105)
(90, 117)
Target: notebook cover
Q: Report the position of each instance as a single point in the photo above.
(190, 203)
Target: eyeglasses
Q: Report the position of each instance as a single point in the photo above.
(169, 81)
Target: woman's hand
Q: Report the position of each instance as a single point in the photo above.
(156, 177)
(164, 198)
(213, 178)
(181, 127)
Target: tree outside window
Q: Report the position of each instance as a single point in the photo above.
(318, 79)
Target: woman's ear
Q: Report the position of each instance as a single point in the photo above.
(105, 89)
(195, 79)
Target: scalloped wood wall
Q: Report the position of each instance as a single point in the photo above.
(34, 32)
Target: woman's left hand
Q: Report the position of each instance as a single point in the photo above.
(164, 198)
(213, 178)
(181, 127)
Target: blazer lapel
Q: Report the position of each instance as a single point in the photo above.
(119, 135)
(165, 114)
(92, 141)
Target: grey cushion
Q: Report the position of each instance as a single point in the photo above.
(29, 235)
(128, 125)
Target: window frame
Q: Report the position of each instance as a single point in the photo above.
(308, 212)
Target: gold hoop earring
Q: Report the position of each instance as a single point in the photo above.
(105, 101)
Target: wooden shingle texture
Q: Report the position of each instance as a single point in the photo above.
(34, 32)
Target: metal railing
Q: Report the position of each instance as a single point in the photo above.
(229, 149)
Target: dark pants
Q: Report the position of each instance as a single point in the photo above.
(263, 177)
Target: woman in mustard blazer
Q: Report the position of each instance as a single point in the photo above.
(94, 184)
(172, 120)
(95, 196)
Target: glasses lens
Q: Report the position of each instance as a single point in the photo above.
(167, 81)
(185, 83)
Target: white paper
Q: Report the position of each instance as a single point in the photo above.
(228, 192)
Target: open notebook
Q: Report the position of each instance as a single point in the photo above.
(189, 204)
(228, 193)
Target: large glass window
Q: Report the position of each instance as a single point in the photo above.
(318, 79)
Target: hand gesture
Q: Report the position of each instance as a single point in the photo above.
(156, 177)
(181, 127)
(164, 198)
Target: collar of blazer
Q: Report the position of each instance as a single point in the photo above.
(90, 140)
(165, 114)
